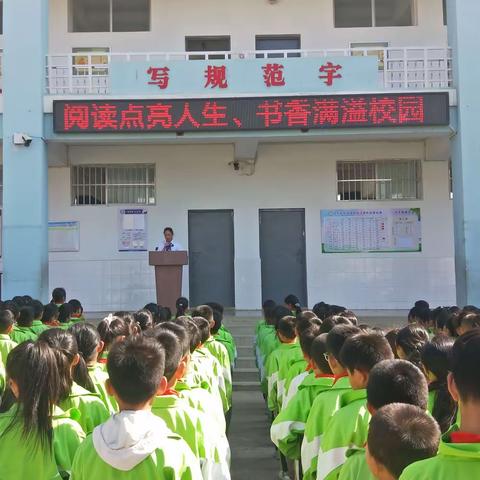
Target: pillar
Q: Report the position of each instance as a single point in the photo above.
(462, 20)
(25, 169)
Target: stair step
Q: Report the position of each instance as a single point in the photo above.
(240, 329)
(246, 362)
(245, 375)
(244, 340)
(247, 386)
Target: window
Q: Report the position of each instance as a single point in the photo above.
(373, 13)
(113, 184)
(379, 180)
(207, 44)
(277, 42)
(109, 15)
(375, 49)
(89, 61)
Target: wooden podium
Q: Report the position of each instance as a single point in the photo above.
(168, 276)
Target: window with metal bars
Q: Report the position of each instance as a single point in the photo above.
(113, 184)
(379, 180)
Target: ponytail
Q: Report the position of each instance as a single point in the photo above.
(110, 328)
(294, 302)
(412, 340)
(33, 367)
(444, 407)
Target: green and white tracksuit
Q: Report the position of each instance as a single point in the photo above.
(323, 409)
(134, 445)
(355, 466)
(6, 346)
(347, 428)
(289, 426)
(99, 376)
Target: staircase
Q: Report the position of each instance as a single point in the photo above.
(242, 326)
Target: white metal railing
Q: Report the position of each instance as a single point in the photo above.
(398, 68)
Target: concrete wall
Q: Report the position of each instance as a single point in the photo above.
(287, 176)
(172, 20)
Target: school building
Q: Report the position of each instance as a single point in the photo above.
(326, 148)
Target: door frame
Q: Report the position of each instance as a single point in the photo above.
(208, 210)
(304, 245)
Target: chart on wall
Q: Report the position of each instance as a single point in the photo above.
(376, 230)
(64, 236)
(132, 231)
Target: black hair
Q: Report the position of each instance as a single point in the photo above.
(364, 350)
(442, 318)
(25, 317)
(12, 307)
(218, 319)
(436, 359)
(422, 304)
(64, 313)
(268, 304)
(165, 314)
(334, 320)
(401, 434)
(27, 299)
(320, 310)
(397, 381)
(64, 344)
(305, 322)
(318, 350)
(294, 302)
(59, 295)
(469, 321)
(154, 309)
(144, 319)
(181, 332)
(111, 328)
(307, 337)
(216, 306)
(412, 339)
(19, 301)
(50, 312)
(336, 338)
(182, 306)
(37, 308)
(349, 315)
(286, 327)
(391, 336)
(171, 345)
(129, 319)
(268, 310)
(203, 311)
(203, 328)
(136, 368)
(419, 315)
(279, 312)
(464, 362)
(76, 305)
(6, 320)
(168, 229)
(33, 368)
(192, 330)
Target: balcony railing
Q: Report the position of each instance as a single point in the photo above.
(88, 73)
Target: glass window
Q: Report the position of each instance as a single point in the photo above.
(353, 13)
(113, 184)
(90, 15)
(393, 13)
(130, 15)
(277, 42)
(379, 180)
(207, 44)
(88, 61)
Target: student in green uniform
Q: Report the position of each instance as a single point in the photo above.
(135, 444)
(50, 315)
(3, 378)
(205, 439)
(390, 381)
(37, 325)
(326, 404)
(64, 316)
(459, 451)
(74, 379)
(349, 426)
(6, 328)
(261, 328)
(289, 426)
(280, 360)
(26, 432)
(293, 304)
(144, 319)
(59, 296)
(400, 435)
(410, 342)
(23, 330)
(222, 335)
(111, 330)
(77, 311)
(435, 361)
(89, 348)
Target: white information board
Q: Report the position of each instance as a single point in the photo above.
(132, 226)
(376, 230)
(63, 236)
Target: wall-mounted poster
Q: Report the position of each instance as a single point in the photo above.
(63, 236)
(376, 230)
(132, 234)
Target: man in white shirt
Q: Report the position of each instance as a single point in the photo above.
(168, 245)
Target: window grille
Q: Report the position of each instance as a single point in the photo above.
(113, 184)
(379, 180)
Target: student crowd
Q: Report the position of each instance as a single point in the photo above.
(352, 402)
(146, 395)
